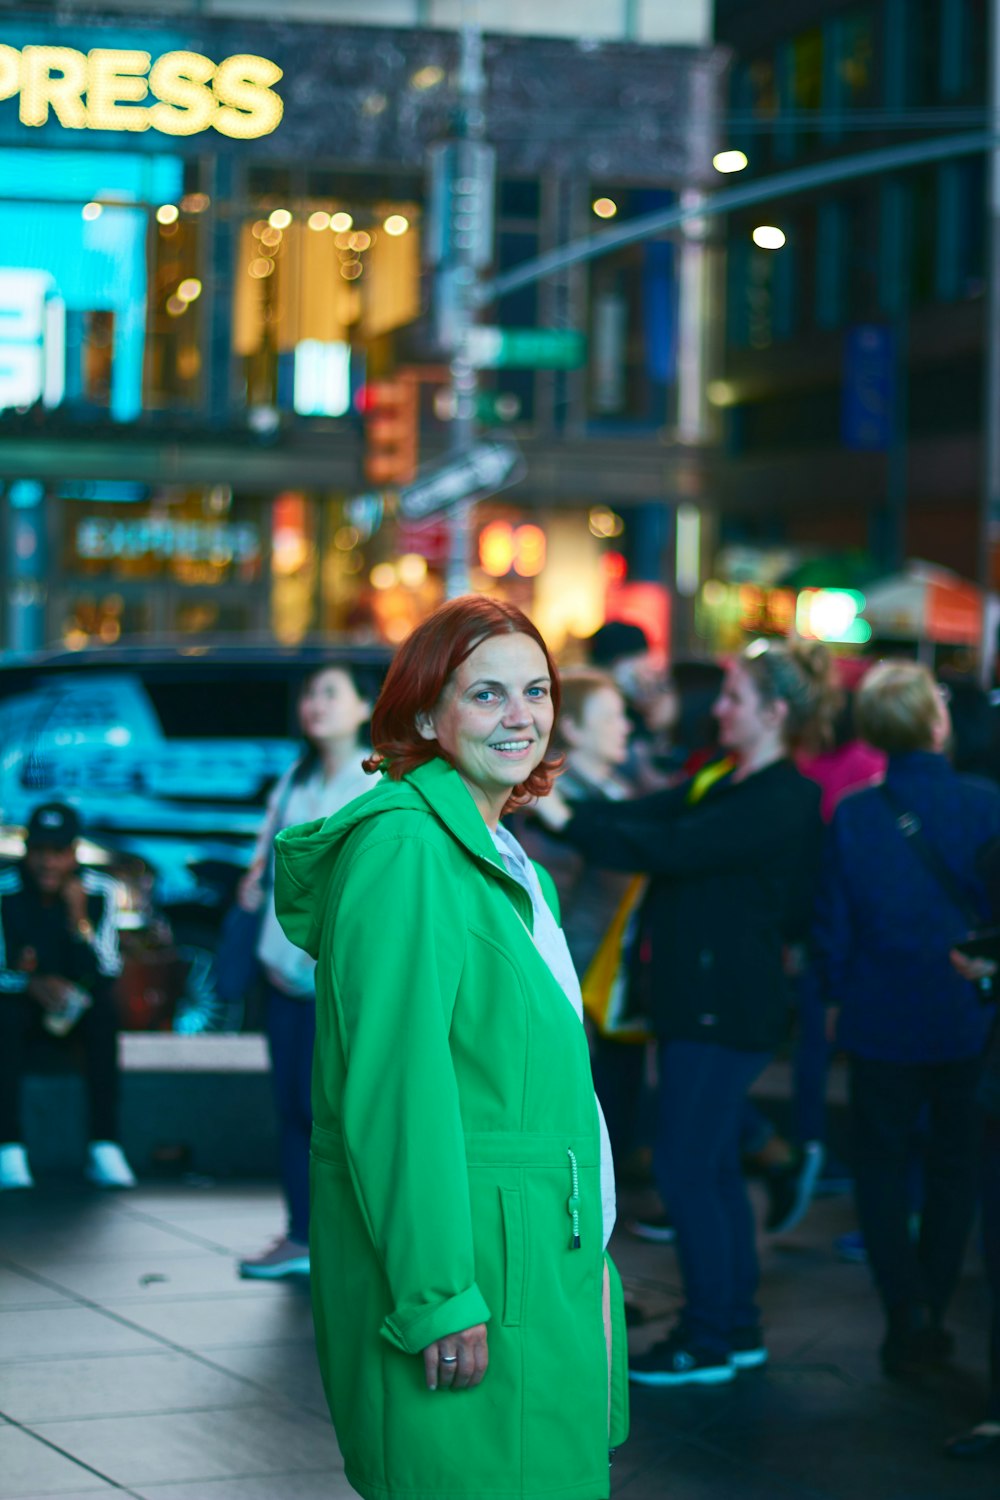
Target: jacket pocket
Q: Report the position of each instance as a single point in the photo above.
(512, 1211)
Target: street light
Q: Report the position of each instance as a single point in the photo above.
(768, 237)
(730, 161)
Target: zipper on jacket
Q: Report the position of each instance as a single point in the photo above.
(573, 1201)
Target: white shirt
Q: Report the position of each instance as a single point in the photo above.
(551, 944)
(287, 967)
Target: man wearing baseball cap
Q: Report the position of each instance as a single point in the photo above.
(59, 959)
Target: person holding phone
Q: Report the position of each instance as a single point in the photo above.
(978, 961)
(59, 959)
(899, 882)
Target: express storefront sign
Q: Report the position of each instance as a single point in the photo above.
(108, 88)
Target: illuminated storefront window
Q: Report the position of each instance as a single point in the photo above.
(100, 293)
(177, 298)
(136, 561)
(318, 283)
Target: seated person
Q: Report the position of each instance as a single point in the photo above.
(59, 959)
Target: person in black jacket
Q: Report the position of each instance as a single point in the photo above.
(59, 959)
(731, 888)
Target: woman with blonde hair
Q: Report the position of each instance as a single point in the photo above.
(592, 731)
(731, 869)
(899, 889)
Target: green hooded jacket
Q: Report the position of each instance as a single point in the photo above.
(455, 1158)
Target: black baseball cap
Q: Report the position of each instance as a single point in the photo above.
(53, 826)
(615, 639)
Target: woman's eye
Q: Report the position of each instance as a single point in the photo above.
(538, 692)
(485, 696)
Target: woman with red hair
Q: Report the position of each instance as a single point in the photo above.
(461, 1172)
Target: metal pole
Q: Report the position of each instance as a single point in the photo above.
(781, 185)
(989, 515)
(470, 126)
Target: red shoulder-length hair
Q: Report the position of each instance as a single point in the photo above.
(422, 669)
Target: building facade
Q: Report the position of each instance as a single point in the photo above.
(215, 232)
(852, 398)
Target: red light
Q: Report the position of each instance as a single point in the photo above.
(392, 413)
(614, 566)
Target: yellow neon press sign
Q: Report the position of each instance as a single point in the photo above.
(105, 89)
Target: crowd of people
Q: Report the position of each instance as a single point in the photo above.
(517, 927)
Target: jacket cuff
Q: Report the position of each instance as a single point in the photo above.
(414, 1333)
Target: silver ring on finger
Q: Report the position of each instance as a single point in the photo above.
(448, 1359)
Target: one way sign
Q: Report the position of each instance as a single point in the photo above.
(486, 469)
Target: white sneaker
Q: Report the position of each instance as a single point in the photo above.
(107, 1167)
(14, 1169)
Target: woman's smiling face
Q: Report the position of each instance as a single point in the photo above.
(494, 718)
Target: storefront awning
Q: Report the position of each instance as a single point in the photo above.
(925, 603)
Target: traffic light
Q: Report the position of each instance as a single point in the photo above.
(391, 411)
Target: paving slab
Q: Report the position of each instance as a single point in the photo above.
(322, 1486)
(117, 1385)
(150, 1276)
(29, 1466)
(17, 1289)
(220, 1322)
(197, 1445)
(65, 1333)
(289, 1372)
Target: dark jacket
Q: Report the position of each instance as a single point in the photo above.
(885, 924)
(733, 881)
(27, 921)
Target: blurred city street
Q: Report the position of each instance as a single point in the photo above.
(133, 1362)
(482, 393)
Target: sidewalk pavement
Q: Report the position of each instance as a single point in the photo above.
(133, 1362)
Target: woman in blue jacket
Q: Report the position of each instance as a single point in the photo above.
(891, 906)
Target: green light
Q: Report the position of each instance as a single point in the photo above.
(832, 615)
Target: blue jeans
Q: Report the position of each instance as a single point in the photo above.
(702, 1093)
(291, 1035)
(812, 1059)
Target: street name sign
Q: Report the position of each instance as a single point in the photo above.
(484, 470)
(490, 348)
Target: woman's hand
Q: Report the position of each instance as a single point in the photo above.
(972, 969)
(553, 811)
(458, 1360)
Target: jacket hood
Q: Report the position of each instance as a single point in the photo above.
(307, 855)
